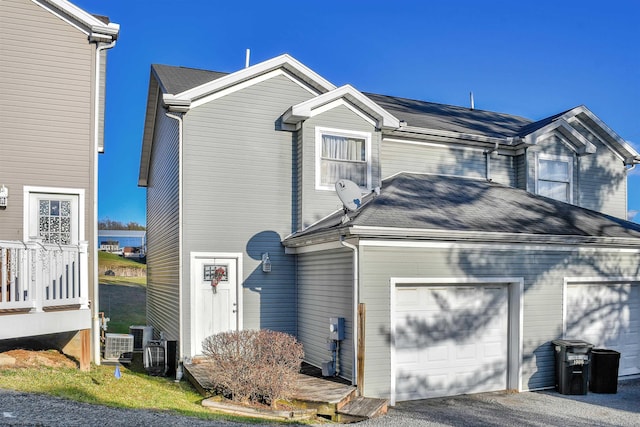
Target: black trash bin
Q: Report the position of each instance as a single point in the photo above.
(572, 365)
(604, 370)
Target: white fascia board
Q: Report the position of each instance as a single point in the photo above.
(93, 26)
(307, 109)
(283, 61)
(576, 140)
(624, 145)
(450, 235)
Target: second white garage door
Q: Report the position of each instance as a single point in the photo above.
(608, 316)
(450, 340)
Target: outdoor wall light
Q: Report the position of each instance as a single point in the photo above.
(266, 262)
(4, 196)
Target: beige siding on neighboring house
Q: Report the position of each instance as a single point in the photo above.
(319, 203)
(543, 270)
(163, 231)
(325, 290)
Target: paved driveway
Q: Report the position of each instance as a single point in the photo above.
(543, 408)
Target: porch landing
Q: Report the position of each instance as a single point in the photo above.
(332, 398)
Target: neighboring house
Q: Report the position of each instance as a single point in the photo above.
(52, 87)
(116, 240)
(491, 235)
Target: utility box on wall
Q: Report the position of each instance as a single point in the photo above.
(336, 328)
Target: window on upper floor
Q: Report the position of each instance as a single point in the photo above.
(555, 177)
(342, 154)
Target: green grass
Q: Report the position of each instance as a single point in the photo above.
(107, 260)
(135, 390)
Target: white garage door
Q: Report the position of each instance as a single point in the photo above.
(608, 316)
(450, 340)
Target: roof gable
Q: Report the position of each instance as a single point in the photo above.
(306, 109)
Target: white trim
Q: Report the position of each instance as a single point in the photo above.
(168, 98)
(193, 256)
(285, 60)
(515, 329)
(93, 24)
(553, 157)
(306, 109)
(490, 246)
(562, 127)
(341, 102)
(27, 190)
(605, 280)
(313, 248)
(319, 131)
(602, 141)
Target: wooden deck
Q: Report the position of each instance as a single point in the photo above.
(332, 398)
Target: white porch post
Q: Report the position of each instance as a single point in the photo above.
(84, 273)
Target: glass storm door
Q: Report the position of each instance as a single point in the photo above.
(54, 218)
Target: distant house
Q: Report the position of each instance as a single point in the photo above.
(52, 88)
(480, 238)
(115, 240)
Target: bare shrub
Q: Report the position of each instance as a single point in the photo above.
(258, 366)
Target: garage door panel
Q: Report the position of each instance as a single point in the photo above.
(462, 340)
(608, 316)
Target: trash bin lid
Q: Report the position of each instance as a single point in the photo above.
(605, 351)
(572, 343)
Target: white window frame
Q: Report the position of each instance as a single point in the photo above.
(347, 134)
(558, 158)
(30, 209)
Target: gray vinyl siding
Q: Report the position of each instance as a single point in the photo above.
(602, 179)
(46, 94)
(411, 156)
(316, 204)
(163, 266)
(325, 290)
(543, 272)
(239, 194)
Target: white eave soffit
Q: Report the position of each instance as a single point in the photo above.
(616, 143)
(79, 18)
(575, 139)
(307, 109)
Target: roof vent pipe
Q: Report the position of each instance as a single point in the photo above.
(471, 100)
(246, 58)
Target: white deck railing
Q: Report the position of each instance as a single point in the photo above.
(35, 276)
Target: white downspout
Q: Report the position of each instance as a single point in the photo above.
(354, 375)
(95, 309)
(487, 154)
(180, 267)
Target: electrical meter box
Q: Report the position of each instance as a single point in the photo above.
(336, 328)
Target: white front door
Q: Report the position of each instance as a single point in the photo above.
(54, 216)
(215, 290)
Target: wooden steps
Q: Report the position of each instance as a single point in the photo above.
(331, 398)
(361, 408)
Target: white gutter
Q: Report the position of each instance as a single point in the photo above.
(96, 144)
(180, 267)
(354, 374)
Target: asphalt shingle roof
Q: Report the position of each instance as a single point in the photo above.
(178, 79)
(415, 201)
(451, 118)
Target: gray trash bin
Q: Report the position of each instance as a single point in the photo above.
(604, 371)
(572, 365)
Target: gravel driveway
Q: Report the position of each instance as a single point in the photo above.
(545, 408)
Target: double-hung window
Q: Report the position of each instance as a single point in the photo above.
(342, 155)
(555, 177)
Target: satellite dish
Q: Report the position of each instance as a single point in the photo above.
(350, 194)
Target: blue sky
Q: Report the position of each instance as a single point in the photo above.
(529, 58)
